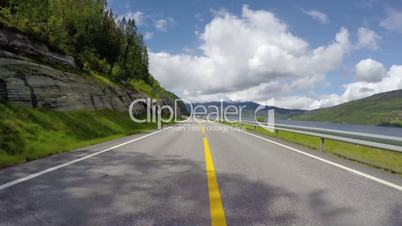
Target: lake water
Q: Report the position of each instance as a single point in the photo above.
(380, 130)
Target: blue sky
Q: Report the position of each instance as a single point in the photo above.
(253, 50)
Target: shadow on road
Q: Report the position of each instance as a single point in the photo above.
(128, 188)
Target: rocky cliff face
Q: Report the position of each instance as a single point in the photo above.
(19, 46)
(26, 80)
(37, 85)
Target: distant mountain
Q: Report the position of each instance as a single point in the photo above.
(380, 109)
(250, 108)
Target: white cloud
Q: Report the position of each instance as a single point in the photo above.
(295, 102)
(163, 24)
(393, 21)
(252, 56)
(138, 16)
(370, 70)
(392, 80)
(318, 15)
(367, 38)
(148, 35)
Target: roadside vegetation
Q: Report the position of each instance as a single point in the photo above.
(27, 134)
(105, 47)
(382, 159)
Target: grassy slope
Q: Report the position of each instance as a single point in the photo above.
(27, 134)
(379, 109)
(387, 160)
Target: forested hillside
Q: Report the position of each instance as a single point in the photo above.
(384, 109)
(101, 43)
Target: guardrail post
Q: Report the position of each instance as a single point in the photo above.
(255, 128)
(276, 132)
(322, 144)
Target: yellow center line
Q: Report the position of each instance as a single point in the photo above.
(215, 202)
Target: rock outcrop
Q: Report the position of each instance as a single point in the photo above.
(19, 46)
(36, 85)
(30, 75)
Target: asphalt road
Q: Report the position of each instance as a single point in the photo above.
(162, 180)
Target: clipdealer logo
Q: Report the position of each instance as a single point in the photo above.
(161, 113)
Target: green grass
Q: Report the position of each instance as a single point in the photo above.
(382, 159)
(143, 88)
(27, 134)
(102, 80)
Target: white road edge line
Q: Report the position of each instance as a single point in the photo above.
(381, 181)
(31, 176)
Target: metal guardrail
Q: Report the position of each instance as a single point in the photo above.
(391, 143)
